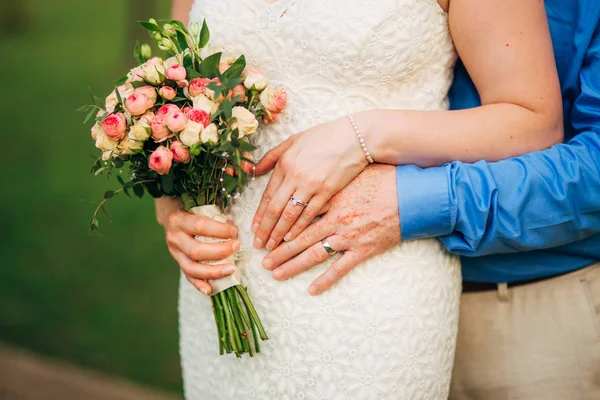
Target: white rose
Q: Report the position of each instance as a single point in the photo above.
(202, 102)
(245, 121)
(254, 79)
(129, 146)
(210, 134)
(111, 100)
(151, 70)
(140, 130)
(190, 135)
(104, 143)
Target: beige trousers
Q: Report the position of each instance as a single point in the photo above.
(536, 341)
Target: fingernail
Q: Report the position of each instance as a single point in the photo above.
(258, 243)
(267, 263)
(287, 237)
(234, 232)
(277, 274)
(270, 244)
(313, 290)
(255, 227)
(236, 246)
(228, 270)
(204, 291)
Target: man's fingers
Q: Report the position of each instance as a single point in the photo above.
(311, 235)
(201, 226)
(270, 159)
(200, 251)
(334, 273)
(310, 257)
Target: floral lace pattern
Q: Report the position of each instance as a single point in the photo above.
(388, 329)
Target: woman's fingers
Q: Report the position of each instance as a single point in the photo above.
(295, 207)
(272, 213)
(197, 271)
(200, 285)
(201, 226)
(272, 157)
(274, 182)
(200, 251)
(334, 273)
(318, 205)
(309, 258)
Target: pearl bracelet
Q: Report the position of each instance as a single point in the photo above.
(361, 140)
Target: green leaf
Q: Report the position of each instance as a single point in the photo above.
(83, 108)
(245, 146)
(118, 95)
(138, 190)
(121, 81)
(166, 182)
(118, 163)
(209, 68)
(188, 201)
(150, 27)
(138, 84)
(108, 194)
(120, 180)
(137, 52)
(99, 171)
(204, 35)
(229, 183)
(192, 74)
(89, 115)
(106, 214)
(236, 69)
(182, 42)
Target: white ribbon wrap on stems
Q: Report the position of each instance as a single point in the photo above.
(218, 285)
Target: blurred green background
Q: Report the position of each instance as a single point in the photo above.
(107, 302)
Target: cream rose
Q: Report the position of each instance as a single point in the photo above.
(190, 135)
(153, 71)
(104, 143)
(210, 134)
(129, 146)
(254, 79)
(244, 121)
(140, 130)
(202, 102)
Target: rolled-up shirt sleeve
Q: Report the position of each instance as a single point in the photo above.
(539, 200)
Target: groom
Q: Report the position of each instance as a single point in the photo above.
(528, 229)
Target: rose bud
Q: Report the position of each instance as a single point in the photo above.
(198, 86)
(195, 150)
(230, 171)
(246, 165)
(161, 160)
(140, 131)
(199, 116)
(204, 103)
(137, 104)
(114, 126)
(167, 109)
(176, 121)
(167, 92)
(210, 134)
(147, 91)
(254, 79)
(146, 50)
(190, 135)
(180, 153)
(244, 122)
(240, 91)
(176, 72)
(159, 128)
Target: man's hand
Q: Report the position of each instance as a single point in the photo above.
(362, 221)
(180, 229)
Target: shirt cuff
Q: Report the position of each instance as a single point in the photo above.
(423, 202)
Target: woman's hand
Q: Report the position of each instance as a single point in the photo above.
(311, 167)
(180, 229)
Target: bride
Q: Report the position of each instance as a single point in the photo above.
(366, 80)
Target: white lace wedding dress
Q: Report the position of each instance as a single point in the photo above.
(388, 329)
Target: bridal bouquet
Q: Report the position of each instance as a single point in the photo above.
(182, 126)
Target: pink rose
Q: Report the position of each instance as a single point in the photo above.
(147, 117)
(199, 116)
(246, 165)
(158, 125)
(114, 126)
(167, 93)
(240, 91)
(198, 86)
(274, 101)
(176, 121)
(147, 91)
(180, 153)
(187, 109)
(137, 104)
(230, 171)
(176, 72)
(167, 109)
(161, 160)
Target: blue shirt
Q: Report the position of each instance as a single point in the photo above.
(532, 216)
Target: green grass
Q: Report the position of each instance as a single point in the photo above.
(107, 302)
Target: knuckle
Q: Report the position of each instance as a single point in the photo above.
(195, 253)
(272, 210)
(199, 225)
(173, 219)
(267, 196)
(170, 239)
(339, 270)
(289, 215)
(315, 254)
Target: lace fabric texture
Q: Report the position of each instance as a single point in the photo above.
(388, 329)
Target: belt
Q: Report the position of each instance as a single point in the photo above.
(469, 287)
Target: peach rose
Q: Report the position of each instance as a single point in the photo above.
(254, 79)
(190, 135)
(161, 160)
(246, 165)
(274, 100)
(176, 121)
(167, 92)
(244, 122)
(137, 104)
(210, 134)
(197, 87)
(229, 171)
(180, 153)
(176, 72)
(159, 129)
(240, 91)
(114, 126)
(149, 92)
(147, 117)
